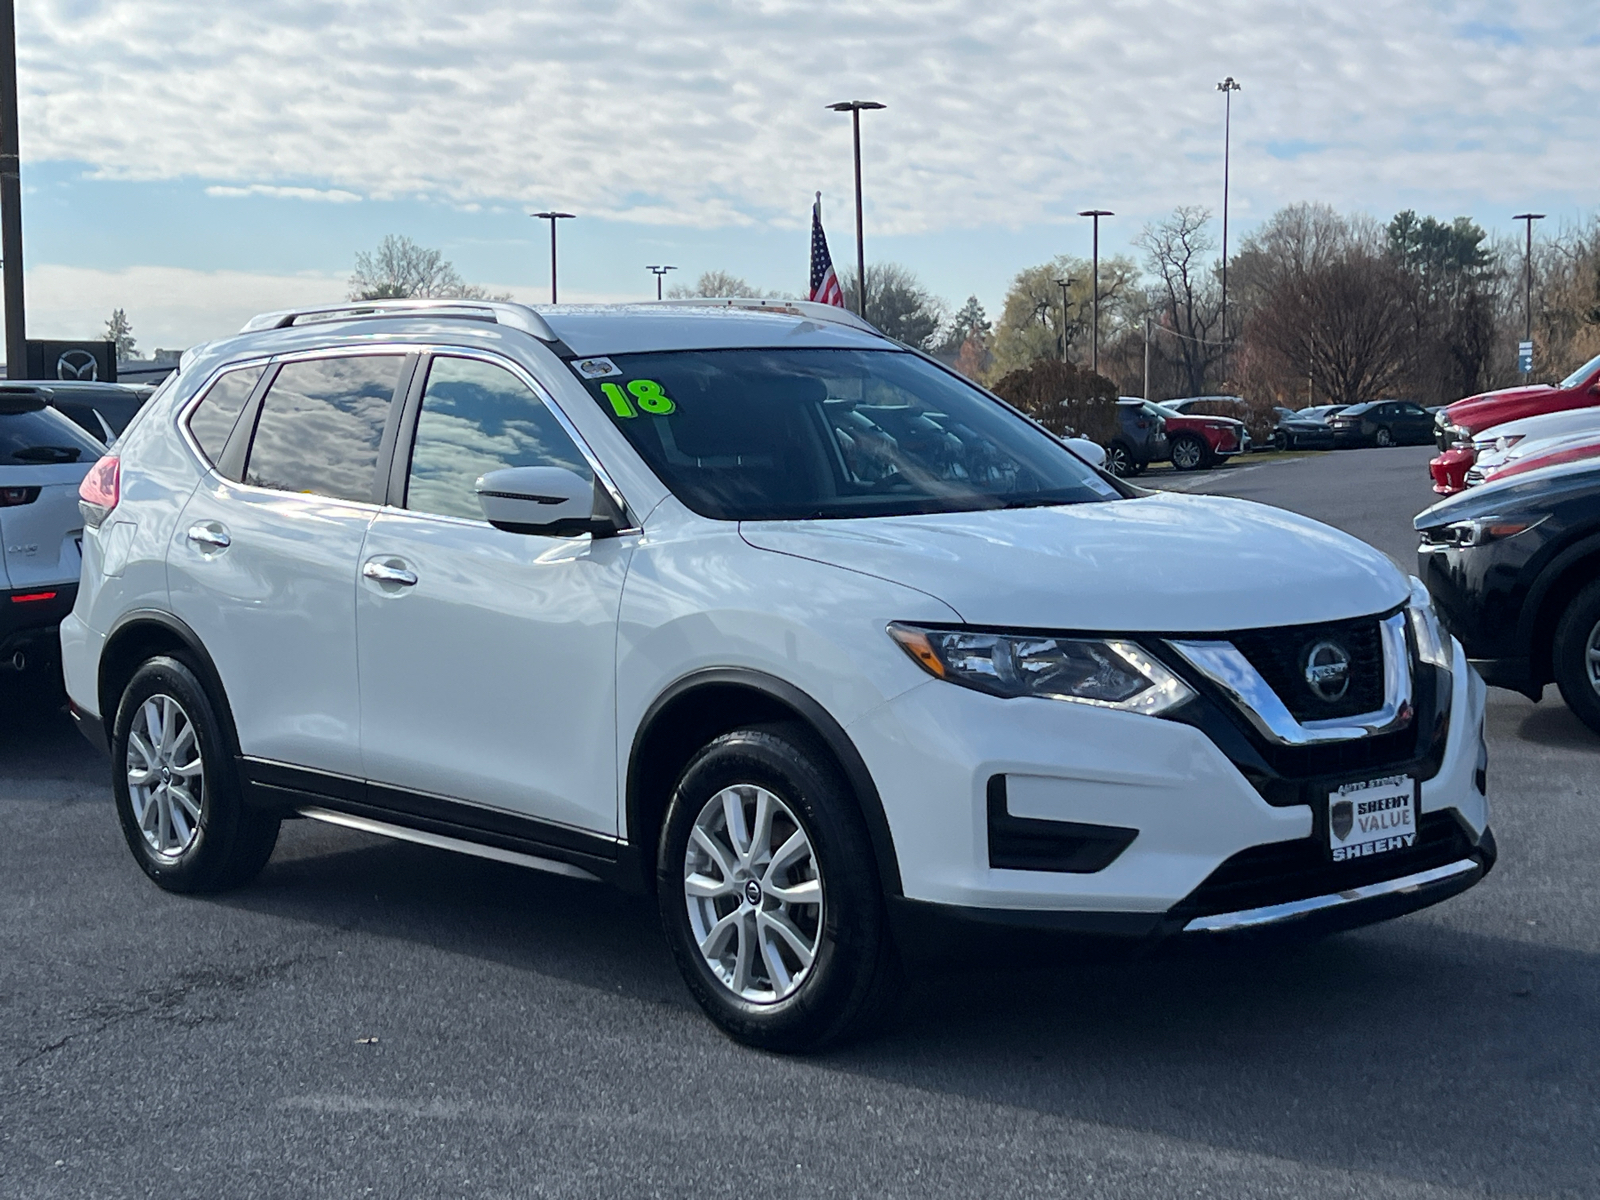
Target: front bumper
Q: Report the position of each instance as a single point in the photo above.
(1449, 470)
(1206, 844)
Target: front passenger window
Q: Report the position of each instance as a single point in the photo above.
(477, 417)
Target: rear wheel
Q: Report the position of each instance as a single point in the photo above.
(176, 787)
(1188, 453)
(1577, 656)
(1119, 460)
(1383, 437)
(769, 893)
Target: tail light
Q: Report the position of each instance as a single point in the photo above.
(100, 490)
(13, 496)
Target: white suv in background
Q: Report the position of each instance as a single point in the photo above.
(757, 610)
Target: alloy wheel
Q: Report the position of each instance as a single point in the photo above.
(1384, 438)
(1591, 658)
(166, 775)
(754, 893)
(1186, 455)
(1117, 461)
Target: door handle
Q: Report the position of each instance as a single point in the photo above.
(382, 572)
(210, 534)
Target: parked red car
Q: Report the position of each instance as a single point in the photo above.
(1196, 441)
(1458, 423)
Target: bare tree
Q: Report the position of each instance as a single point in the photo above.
(400, 268)
(714, 284)
(1344, 323)
(1178, 252)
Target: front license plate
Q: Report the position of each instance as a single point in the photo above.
(1374, 816)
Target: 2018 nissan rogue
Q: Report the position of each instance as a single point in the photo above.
(757, 610)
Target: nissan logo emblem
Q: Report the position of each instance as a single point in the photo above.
(1328, 671)
(77, 365)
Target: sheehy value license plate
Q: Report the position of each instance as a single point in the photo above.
(1374, 816)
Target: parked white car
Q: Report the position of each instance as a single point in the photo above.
(758, 611)
(1506, 443)
(43, 458)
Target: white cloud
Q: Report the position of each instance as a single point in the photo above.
(710, 112)
(174, 308)
(331, 195)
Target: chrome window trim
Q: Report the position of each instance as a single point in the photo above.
(186, 409)
(1272, 914)
(1224, 665)
(544, 394)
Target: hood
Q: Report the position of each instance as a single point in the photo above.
(1534, 491)
(1491, 408)
(1168, 563)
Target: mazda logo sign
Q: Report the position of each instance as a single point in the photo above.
(1328, 671)
(77, 365)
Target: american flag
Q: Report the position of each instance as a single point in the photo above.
(824, 283)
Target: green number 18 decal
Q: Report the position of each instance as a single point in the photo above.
(646, 393)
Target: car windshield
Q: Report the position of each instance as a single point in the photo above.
(38, 436)
(1582, 373)
(757, 435)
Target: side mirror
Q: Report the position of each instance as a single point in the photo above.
(551, 501)
(1092, 453)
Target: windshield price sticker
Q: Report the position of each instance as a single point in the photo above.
(642, 395)
(1375, 816)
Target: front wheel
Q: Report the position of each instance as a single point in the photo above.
(1577, 656)
(176, 787)
(769, 893)
(1280, 440)
(1188, 454)
(1383, 437)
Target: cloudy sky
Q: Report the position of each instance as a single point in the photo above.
(196, 162)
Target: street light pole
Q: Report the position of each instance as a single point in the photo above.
(1064, 284)
(552, 217)
(1227, 87)
(659, 272)
(854, 108)
(1527, 295)
(11, 197)
(1094, 354)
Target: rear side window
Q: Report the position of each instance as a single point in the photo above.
(37, 436)
(320, 426)
(212, 421)
(476, 418)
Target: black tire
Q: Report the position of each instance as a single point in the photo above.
(1190, 454)
(1383, 438)
(854, 977)
(1119, 460)
(1576, 633)
(229, 844)
(1281, 441)
(1139, 464)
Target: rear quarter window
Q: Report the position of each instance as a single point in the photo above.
(214, 417)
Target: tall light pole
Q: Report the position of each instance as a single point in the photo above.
(1527, 296)
(552, 217)
(11, 197)
(1094, 354)
(1227, 87)
(659, 272)
(1064, 284)
(854, 108)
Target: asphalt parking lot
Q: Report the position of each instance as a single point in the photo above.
(371, 1018)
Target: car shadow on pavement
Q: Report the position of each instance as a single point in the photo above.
(1415, 1049)
(1552, 723)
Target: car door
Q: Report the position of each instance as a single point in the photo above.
(1415, 425)
(264, 560)
(487, 657)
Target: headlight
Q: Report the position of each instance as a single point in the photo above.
(1433, 643)
(1104, 672)
(1479, 531)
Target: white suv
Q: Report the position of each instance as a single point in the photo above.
(757, 610)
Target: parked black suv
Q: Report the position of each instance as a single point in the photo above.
(1140, 439)
(1514, 569)
(103, 409)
